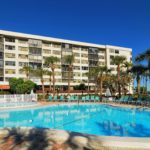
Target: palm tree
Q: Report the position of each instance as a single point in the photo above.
(111, 82)
(94, 72)
(40, 73)
(101, 71)
(138, 70)
(146, 75)
(89, 75)
(127, 65)
(50, 63)
(27, 69)
(69, 59)
(128, 76)
(50, 79)
(118, 60)
(144, 56)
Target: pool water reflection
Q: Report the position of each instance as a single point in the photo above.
(91, 118)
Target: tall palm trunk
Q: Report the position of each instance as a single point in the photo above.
(146, 81)
(69, 72)
(129, 87)
(43, 91)
(101, 87)
(88, 86)
(138, 85)
(118, 75)
(96, 87)
(53, 74)
(144, 87)
(27, 75)
(50, 86)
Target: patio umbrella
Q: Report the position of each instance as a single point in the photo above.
(108, 93)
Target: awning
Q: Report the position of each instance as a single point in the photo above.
(4, 87)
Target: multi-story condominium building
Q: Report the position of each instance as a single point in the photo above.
(19, 49)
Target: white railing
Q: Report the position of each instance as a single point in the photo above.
(18, 98)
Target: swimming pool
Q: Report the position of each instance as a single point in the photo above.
(95, 119)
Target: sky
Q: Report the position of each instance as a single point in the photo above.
(113, 22)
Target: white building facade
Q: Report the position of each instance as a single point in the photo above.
(19, 49)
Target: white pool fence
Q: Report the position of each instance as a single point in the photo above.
(18, 98)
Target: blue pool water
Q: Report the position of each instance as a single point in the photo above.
(91, 118)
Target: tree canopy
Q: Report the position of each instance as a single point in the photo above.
(19, 86)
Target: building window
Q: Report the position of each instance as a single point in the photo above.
(84, 49)
(111, 57)
(35, 65)
(46, 44)
(22, 41)
(58, 80)
(58, 73)
(9, 47)
(1, 46)
(1, 39)
(35, 51)
(101, 51)
(111, 50)
(22, 48)
(7, 79)
(77, 61)
(57, 52)
(1, 55)
(21, 64)
(10, 63)
(84, 61)
(66, 46)
(117, 51)
(1, 72)
(56, 45)
(1, 63)
(76, 74)
(84, 55)
(76, 48)
(22, 56)
(46, 51)
(9, 39)
(9, 55)
(76, 54)
(10, 71)
(76, 67)
(101, 63)
(84, 68)
(35, 43)
(101, 57)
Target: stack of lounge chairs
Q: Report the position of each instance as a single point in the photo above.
(124, 99)
(75, 98)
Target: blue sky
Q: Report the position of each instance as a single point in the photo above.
(114, 22)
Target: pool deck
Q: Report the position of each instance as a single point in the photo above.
(50, 139)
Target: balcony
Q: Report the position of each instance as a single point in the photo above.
(35, 43)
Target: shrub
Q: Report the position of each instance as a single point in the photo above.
(19, 86)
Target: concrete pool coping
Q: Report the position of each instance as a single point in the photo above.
(46, 104)
(79, 140)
